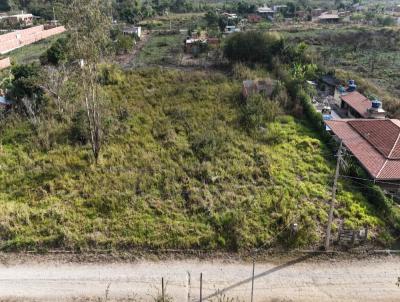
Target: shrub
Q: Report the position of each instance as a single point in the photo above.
(258, 111)
(79, 130)
(123, 44)
(252, 47)
(56, 54)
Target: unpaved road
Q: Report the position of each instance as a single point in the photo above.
(300, 279)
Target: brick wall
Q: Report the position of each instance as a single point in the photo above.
(27, 36)
(4, 63)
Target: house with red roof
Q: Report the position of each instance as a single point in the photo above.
(375, 143)
(355, 105)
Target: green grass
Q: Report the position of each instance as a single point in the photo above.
(161, 50)
(177, 171)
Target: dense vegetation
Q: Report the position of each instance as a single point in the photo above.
(93, 157)
(178, 170)
(370, 56)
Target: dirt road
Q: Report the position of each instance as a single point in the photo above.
(300, 279)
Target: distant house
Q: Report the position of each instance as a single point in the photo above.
(266, 12)
(134, 30)
(328, 84)
(254, 18)
(328, 17)
(376, 145)
(279, 8)
(261, 86)
(230, 29)
(213, 41)
(24, 19)
(316, 12)
(355, 105)
(194, 45)
(230, 16)
(301, 14)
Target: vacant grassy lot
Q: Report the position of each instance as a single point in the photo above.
(161, 50)
(177, 171)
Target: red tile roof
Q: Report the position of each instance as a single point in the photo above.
(375, 143)
(358, 102)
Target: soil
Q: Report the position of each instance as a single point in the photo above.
(290, 277)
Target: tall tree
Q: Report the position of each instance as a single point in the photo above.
(89, 24)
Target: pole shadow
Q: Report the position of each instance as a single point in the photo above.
(260, 275)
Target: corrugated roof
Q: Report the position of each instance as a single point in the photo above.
(358, 102)
(375, 143)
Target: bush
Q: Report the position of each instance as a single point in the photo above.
(123, 44)
(252, 47)
(258, 111)
(79, 130)
(56, 54)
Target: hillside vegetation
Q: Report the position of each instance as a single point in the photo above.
(177, 170)
(368, 55)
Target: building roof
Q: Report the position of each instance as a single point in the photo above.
(330, 80)
(265, 9)
(375, 144)
(358, 102)
(328, 16)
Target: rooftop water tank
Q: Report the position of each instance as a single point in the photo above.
(352, 86)
(376, 104)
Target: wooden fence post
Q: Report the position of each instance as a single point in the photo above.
(252, 281)
(201, 287)
(162, 289)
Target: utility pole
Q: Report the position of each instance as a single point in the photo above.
(201, 287)
(332, 204)
(252, 281)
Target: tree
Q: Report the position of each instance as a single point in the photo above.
(252, 47)
(56, 54)
(89, 27)
(26, 91)
(5, 5)
(211, 18)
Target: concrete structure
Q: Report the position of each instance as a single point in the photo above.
(261, 86)
(229, 29)
(20, 38)
(135, 30)
(253, 18)
(266, 12)
(327, 17)
(23, 19)
(5, 63)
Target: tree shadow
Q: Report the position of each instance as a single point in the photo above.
(260, 275)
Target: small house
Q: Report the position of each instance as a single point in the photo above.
(376, 146)
(253, 18)
(260, 86)
(266, 12)
(230, 29)
(328, 17)
(328, 84)
(355, 105)
(134, 30)
(23, 19)
(194, 46)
